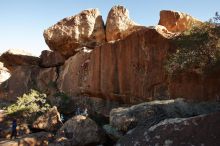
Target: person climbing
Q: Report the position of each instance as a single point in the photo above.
(78, 111)
(14, 130)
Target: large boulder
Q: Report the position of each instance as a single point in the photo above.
(127, 118)
(119, 25)
(176, 21)
(35, 139)
(51, 59)
(80, 130)
(199, 130)
(71, 33)
(14, 57)
(129, 70)
(50, 121)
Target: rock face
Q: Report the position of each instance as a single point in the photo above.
(128, 70)
(13, 58)
(191, 85)
(45, 80)
(119, 25)
(51, 59)
(80, 130)
(50, 121)
(73, 76)
(177, 21)
(200, 130)
(35, 139)
(71, 33)
(25, 78)
(125, 119)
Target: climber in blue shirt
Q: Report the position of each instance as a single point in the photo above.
(14, 130)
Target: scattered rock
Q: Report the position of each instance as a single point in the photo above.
(125, 119)
(51, 59)
(199, 130)
(71, 33)
(177, 21)
(80, 130)
(50, 121)
(14, 57)
(119, 25)
(35, 139)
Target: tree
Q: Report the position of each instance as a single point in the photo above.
(197, 48)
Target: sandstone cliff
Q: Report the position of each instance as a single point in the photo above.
(129, 68)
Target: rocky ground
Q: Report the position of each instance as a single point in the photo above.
(115, 70)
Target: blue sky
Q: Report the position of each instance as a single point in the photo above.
(22, 21)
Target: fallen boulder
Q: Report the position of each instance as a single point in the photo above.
(199, 130)
(127, 118)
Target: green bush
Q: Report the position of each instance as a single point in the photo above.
(197, 48)
(29, 105)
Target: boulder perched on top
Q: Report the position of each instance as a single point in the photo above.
(71, 33)
(15, 57)
(50, 121)
(80, 130)
(119, 25)
(51, 59)
(203, 130)
(176, 21)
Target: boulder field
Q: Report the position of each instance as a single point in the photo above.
(117, 71)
